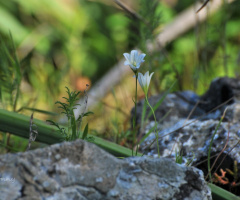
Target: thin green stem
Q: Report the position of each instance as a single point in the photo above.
(210, 146)
(69, 130)
(156, 134)
(135, 116)
(73, 126)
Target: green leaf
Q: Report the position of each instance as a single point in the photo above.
(90, 139)
(143, 112)
(73, 126)
(221, 194)
(9, 23)
(85, 132)
(18, 124)
(39, 111)
(88, 113)
(147, 134)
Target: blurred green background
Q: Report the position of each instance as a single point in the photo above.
(63, 40)
(73, 42)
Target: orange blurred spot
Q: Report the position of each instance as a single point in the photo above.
(82, 82)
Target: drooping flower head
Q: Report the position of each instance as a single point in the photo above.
(134, 59)
(144, 81)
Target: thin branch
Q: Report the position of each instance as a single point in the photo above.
(204, 4)
(32, 133)
(84, 107)
(131, 11)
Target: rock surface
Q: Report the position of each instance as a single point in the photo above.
(192, 123)
(181, 104)
(81, 170)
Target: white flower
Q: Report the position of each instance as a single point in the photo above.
(134, 59)
(144, 81)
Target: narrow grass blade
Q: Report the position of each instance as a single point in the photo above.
(114, 149)
(85, 132)
(38, 111)
(210, 146)
(73, 126)
(221, 194)
(147, 134)
(18, 124)
(143, 113)
(160, 100)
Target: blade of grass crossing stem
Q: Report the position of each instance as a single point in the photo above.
(146, 135)
(143, 113)
(152, 129)
(161, 100)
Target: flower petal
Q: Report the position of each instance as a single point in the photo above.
(144, 81)
(127, 57)
(140, 79)
(134, 59)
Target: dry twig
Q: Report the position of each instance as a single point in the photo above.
(32, 132)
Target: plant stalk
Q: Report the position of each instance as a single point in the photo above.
(155, 129)
(135, 118)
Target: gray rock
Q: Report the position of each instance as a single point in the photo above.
(220, 91)
(181, 104)
(178, 104)
(191, 135)
(81, 170)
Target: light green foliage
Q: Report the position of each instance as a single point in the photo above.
(10, 75)
(190, 161)
(178, 157)
(57, 39)
(209, 50)
(72, 132)
(10, 22)
(18, 124)
(221, 194)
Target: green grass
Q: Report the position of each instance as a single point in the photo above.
(18, 124)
